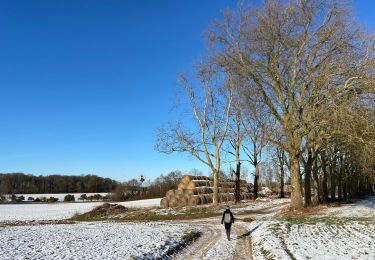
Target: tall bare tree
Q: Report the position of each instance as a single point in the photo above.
(210, 102)
(300, 56)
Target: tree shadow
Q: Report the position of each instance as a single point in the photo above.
(248, 233)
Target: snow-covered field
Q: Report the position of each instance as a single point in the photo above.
(321, 240)
(362, 208)
(58, 211)
(265, 203)
(90, 241)
(344, 232)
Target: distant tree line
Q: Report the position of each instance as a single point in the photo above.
(134, 190)
(13, 183)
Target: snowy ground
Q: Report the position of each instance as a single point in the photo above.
(362, 208)
(344, 232)
(265, 203)
(90, 240)
(321, 240)
(59, 211)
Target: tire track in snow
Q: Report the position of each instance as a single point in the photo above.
(202, 246)
(243, 248)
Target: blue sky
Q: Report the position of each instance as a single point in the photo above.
(85, 84)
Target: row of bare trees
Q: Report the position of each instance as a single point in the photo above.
(297, 77)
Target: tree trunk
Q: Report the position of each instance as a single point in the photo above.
(215, 197)
(256, 180)
(237, 190)
(325, 177)
(282, 176)
(317, 187)
(296, 196)
(282, 173)
(339, 180)
(345, 192)
(308, 168)
(333, 183)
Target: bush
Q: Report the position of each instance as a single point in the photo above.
(69, 198)
(2, 198)
(13, 198)
(97, 197)
(52, 199)
(21, 198)
(36, 200)
(30, 198)
(83, 197)
(43, 199)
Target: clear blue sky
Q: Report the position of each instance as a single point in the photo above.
(85, 84)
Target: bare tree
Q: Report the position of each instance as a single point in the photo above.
(300, 56)
(211, 103)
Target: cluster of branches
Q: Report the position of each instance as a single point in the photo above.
(296, 76)
(15, 183)
(135, 190)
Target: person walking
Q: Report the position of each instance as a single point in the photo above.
(228, 220)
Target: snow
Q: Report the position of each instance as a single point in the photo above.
(344, 232)
(223, 248)
(59, 211)
(362, 208)
(280, 240)
(264, 204)
(99, 240)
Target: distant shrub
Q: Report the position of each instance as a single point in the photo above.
(43, 199)
(36, 200)
(90, 198)
(83, 197)
(69, 198)
(30, 198)
(2, 198)
(106, 197)
(120, 194)
(52, 199)
(21, 198)
(97, 197)
(13, 198)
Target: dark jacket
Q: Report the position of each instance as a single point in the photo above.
(231, 218)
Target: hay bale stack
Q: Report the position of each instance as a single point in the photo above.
(164, 203)
(194, 200)
(172, 202)
(194, 183)
(205, 198)
(202, 190)
(225, 197)
(197, 190)
(189, 178)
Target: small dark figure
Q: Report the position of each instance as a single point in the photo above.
(228, 220)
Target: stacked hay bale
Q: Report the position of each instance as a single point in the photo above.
(198, 190)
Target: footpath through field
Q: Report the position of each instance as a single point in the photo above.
(213, 243)
(340, 232)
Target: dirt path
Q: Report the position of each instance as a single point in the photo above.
(213, 237)
(244, 248)
(208, 240)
